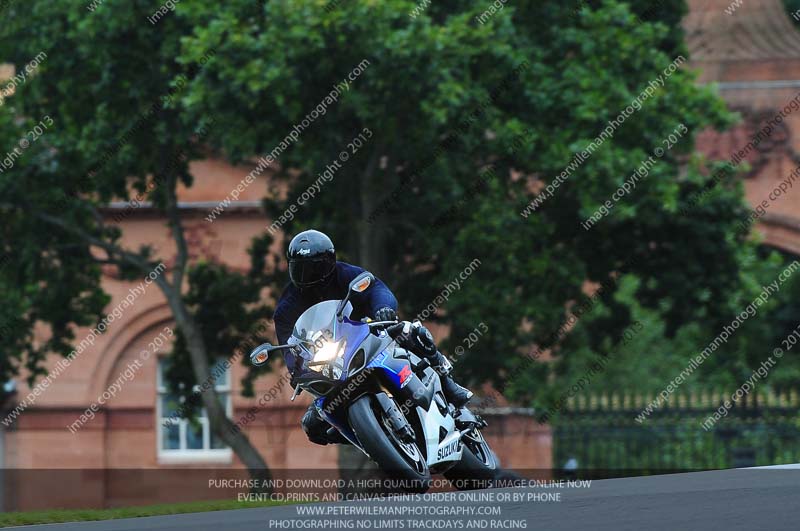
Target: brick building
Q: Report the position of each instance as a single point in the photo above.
(125, 454)
(753, 56)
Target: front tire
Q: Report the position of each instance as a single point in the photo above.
(393, 456)
(478, 466)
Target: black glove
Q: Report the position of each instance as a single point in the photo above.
(423, 341)
(414, 337)
(386, 314)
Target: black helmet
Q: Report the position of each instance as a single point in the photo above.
(312, 259)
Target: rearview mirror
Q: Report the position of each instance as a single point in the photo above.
(261, 353)
(361, 282)
(358, 285)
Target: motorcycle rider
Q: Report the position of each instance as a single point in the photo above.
(317, 276)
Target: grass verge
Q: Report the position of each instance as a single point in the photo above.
(85, 515)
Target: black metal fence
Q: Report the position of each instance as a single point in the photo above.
(600, 436)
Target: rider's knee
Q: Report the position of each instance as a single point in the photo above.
(314, 427)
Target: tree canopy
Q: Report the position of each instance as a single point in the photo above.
(472, 119)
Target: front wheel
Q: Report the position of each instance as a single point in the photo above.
(478, 466)
(401, 460)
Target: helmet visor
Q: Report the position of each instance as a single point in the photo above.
(304, 273)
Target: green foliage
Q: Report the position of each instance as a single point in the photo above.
(650, 360)
(793, 10)
(689, 265)
(447, 97)
(111, 88)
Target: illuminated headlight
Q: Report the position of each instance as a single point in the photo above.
(328, 359)
(328, 351)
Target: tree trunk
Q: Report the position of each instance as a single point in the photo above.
(218, 419)
(371, 245)
(371, 256)
(219, 422)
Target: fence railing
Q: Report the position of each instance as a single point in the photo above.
(702, 400)
(598, 435)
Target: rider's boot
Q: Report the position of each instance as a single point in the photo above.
(455, 394)
(419, 339)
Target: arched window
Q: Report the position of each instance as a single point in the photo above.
(182, 440)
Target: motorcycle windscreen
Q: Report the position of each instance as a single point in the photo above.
(319, 324)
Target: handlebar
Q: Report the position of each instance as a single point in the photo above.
(382, 323)
(393, 328)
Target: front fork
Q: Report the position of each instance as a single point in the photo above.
(397, 422)
(391, 412)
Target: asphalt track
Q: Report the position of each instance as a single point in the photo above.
(745, 499)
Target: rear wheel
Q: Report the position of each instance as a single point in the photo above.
(478, 466)
(399, 459)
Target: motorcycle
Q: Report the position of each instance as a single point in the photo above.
(384, 399)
